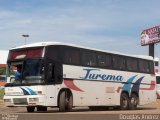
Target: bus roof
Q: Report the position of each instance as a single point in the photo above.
(41, 44)
(156, 59)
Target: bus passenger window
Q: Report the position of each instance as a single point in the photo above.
(119, 62)
(89, 59)
(144, 66)
(71, 56)
(104, 60)
(132, 64)
(101, 60)
(108, 61)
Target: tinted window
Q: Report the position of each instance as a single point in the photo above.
(71, 56)
(88, 58)
(158, 79)
(104, 60)
(144, 66)
(119, 62)
(52, 52)
(132, 64)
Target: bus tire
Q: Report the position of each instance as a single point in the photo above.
(30, 109)
(62, 102)
(133, 102)
(69, 101)
(124, 101)
(65, 101)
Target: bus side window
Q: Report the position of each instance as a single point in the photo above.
(132, 64)
(71, 56)
(119, 62)
(144, 66)
(101, 59)
(104, 60)
(89, 58)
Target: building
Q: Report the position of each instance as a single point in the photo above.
(3, 61)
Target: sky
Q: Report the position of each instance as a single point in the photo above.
(113, 25)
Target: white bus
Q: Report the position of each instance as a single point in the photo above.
(62, 75)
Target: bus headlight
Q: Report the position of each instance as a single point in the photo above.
(33, 99)
(7, 100)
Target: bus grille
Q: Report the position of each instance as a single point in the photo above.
(20, 101)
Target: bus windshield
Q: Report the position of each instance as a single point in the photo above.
(29, 71)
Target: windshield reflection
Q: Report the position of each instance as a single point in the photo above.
(26, 72)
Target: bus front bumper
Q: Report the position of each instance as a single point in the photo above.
(34, 100)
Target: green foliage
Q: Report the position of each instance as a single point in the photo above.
(2, 70)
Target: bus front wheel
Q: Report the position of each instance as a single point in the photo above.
(65, 101)
(124, 101)
(69, 101)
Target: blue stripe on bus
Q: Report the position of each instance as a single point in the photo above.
(28, 91)
(25, 91)
(136, 86)
(127, 86)
(31, 91)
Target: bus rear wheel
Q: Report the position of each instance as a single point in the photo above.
(30, 109)
(124, 101)
(65, 101)
(133, 102)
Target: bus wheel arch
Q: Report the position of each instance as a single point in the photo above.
(124, 100)
(65, 100)
(133, 101)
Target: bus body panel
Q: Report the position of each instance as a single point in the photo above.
(99, 91)
(89, 92)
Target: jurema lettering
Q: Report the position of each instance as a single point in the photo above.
(91, 75)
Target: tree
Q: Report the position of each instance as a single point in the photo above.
(2, 70)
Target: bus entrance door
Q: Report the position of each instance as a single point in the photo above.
(53, 77)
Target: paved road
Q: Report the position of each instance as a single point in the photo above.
(147, 112)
